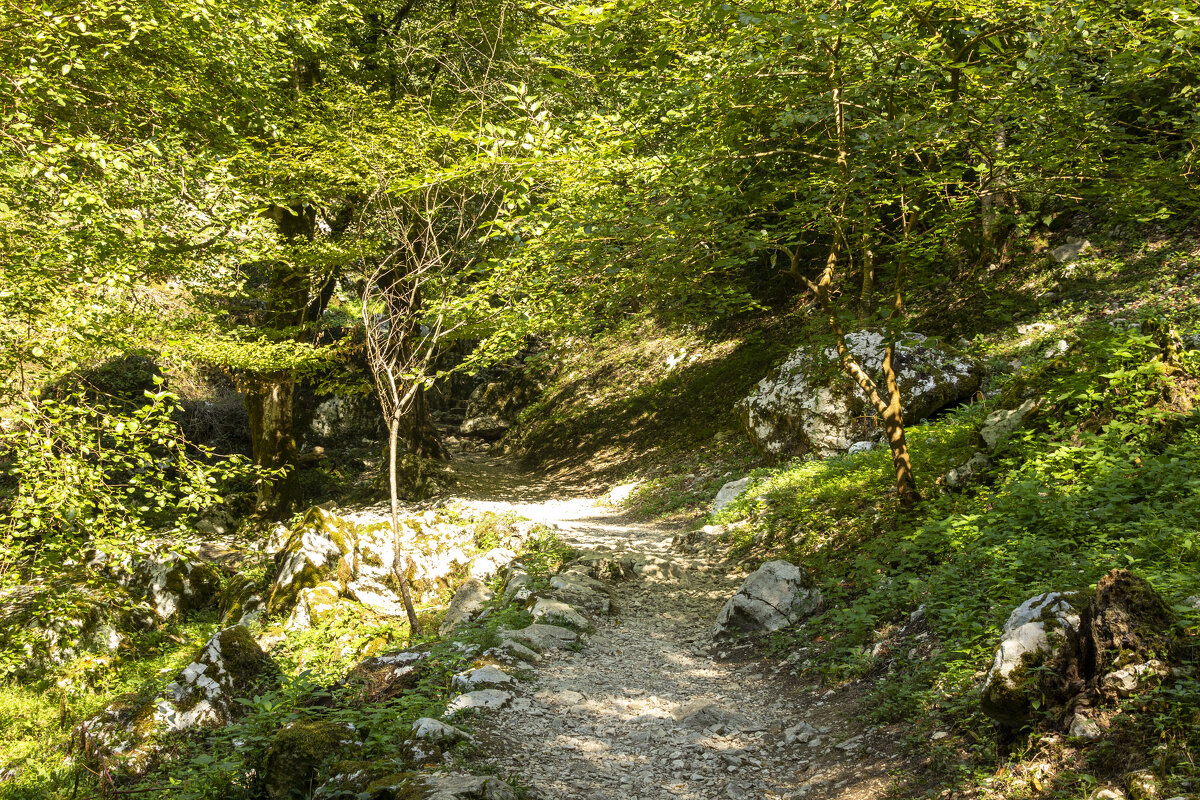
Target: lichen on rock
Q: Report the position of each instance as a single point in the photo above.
(1033, 634)
(321, 543)
(772, 597)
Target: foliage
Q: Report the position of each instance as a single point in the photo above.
(81, 476)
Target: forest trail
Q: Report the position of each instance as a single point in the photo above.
(651, 707)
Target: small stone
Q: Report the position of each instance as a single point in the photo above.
(478, 700)
(438, 732)
(1084, 728)
(801, 732)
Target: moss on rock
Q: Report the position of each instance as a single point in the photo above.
(241, 600)
(297, 753)
(321, 547)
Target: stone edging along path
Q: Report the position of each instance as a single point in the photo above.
(646, 705)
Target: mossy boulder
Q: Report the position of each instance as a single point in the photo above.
(229, 666)
(175, 585)
(241, 600)
(297, 753)
(440, 786)
(381, 678)
(321, 546)
(1071, 652)
(351, 778)
(317, 605)
(121, 737)
(809, 406)
(55, 625)
(1034, 634)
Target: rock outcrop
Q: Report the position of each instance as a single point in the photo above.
(809, 406)
(1068, 654)
(774, 596)
(468, 601)
(330, 561)
(493, 406)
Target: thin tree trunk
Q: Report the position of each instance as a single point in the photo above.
(891, 410)
(893, 425)
(866, 300)
(398, 558)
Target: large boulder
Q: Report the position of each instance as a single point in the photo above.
(175, 584)
(810, 406)
(297, 752)
(53, 625)
(241, 600)
(323, 543)
(774, 596)
(205, 693)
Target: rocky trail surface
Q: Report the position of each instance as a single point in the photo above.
(649, 705)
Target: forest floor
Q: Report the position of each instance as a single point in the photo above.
(651, 706)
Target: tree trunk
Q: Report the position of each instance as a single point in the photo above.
(866, 300)
(420, 435)
(399, 560)
(269, 405)
(893, 426)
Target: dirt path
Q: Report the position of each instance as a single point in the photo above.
(652, 708)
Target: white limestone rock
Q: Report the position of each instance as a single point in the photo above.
(205, 692)
(582, 592)
(729, 492)
(478, 700)
(809, 406)
(964, 474)
(772, 597)
(468, 601)
(999, 425)
(481, 678)
(540, 637)
(1127, 681)
(488, 565)
(1034, 632)
(557, 612)
(432, 730)
(448, 786)
(1070, 251)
